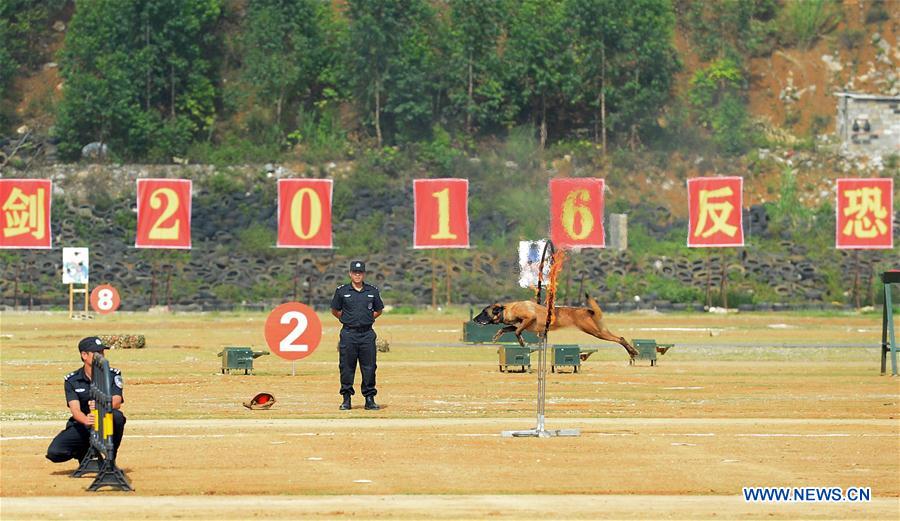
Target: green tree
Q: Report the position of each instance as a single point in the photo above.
(391, 63)
(476, 82)
(729, 28)
(22, 25)
(717, 94)
(625, 58)
(282, 50)
(539, 59)
(137, 76)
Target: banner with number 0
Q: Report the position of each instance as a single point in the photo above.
(163, 213)
(576, 213)
(441, 209)
(304, 213)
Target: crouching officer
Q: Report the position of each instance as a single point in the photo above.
(357, 305)
(75, 440)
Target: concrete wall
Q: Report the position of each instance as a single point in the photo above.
(869, 125)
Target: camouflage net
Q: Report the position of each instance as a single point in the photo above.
(124, 341)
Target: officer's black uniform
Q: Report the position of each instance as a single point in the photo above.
(74, 441)
(357, 336)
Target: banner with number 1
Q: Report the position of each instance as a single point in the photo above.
(441, 213)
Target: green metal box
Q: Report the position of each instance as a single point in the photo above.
(239, 358)
(514, 355)
(647, 349)
(478, 334)
(565, 355)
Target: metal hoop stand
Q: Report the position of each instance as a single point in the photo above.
(540, 430)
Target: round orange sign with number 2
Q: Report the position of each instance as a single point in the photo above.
(293, 331)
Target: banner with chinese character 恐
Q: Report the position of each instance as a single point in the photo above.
(25, 213)
(714, 212)
(576, 213)
(163, 213)
(865, 210)
(441, 213)
(304, 213)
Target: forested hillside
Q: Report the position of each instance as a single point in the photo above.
(235, 81)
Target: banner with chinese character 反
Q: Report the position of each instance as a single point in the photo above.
(441, 213)
(576, 213)
(163, 213)
(304, 213)
(25, 213)
(865, 212)
(714, 212)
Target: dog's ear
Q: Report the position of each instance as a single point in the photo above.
(497, 310)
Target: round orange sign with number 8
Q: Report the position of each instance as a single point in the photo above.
(105, 299)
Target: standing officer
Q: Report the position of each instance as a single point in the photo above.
(357, 305)
(75, 440)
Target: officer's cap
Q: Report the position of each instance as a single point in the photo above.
(358, 266)
(91, 344)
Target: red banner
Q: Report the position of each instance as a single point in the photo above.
(164, 213)
(441, 213)
(576, 213)
(304, 213)
(25, 213)
(715, 212)
(865, 212)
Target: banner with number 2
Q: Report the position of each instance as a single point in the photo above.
(164, 213)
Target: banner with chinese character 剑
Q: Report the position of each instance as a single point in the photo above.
(441, 213)
(163, 213)
(715, 212)
(25, 213)
(576, 213)
(865, 212)
(304, 213)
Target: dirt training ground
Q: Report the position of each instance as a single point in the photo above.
(789, 400)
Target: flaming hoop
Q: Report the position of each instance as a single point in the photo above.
(556, 259)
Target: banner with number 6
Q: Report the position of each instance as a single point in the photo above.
(576, 213)
(441, 213)
(163, 213)
(304, 213)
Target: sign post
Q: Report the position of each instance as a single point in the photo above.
(76, 270)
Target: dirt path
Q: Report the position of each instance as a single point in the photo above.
(436, 507)
(679, 440)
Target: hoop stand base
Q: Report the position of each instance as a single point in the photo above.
(535, 433)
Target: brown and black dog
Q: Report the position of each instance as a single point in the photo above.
(527, 315)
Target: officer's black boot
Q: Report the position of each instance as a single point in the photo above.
(370, 404)
(346, 405)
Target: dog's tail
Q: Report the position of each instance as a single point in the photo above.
(595, 308)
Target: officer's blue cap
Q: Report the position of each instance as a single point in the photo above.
(91, 344)
(358, 266)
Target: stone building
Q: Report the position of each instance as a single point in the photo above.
(868, 124)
